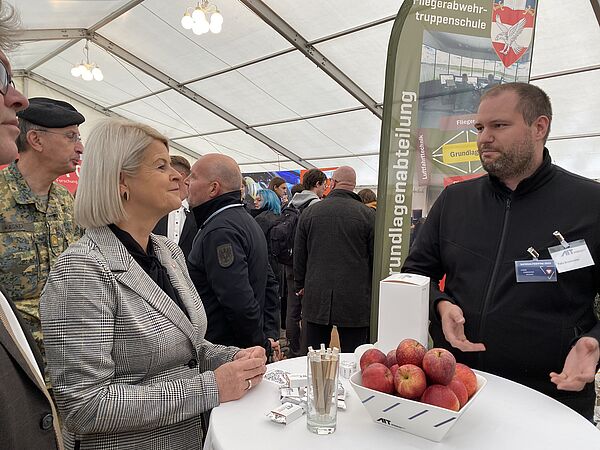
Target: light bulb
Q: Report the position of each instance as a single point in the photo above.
(76, 71)
(198, 15)
(201, 27)
(97, 74)
(87, 74)
(215, 27)
(215, 18)
(186, 21)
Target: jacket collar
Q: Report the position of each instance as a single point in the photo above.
(540, 177)
(23, 194)
(129, 273)
(344, 193)
(204, 211)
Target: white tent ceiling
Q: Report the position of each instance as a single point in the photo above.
(287, 83)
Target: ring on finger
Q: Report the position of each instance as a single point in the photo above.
(249, 384)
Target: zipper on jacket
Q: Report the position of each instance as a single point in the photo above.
(490, 288)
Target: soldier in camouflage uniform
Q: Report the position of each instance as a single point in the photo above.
(36, 214)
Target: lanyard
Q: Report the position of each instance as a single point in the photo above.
(218, 211)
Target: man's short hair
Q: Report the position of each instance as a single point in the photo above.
(312, 177)
(25, 127)
(297, 188)
(181, 164)
(533, 102)
(114, 147)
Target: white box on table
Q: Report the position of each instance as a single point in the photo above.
(403, 310)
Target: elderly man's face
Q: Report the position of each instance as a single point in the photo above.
(199, 185)
(12, 102)
(183, 189)
(62, 148)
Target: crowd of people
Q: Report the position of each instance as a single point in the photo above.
(131, 311)
(159, 292)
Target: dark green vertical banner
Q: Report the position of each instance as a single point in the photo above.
(442, 56)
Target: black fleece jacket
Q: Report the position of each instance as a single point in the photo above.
(475, 232)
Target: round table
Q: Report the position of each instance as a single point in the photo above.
(506, 415)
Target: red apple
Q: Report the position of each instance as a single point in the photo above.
(439, 365)
(410, 381)
(394, 369)
(371, 356)
(467, 376)
(410, 351)
(460, 390)
(441, 396)
(391, 358)
(378, 377)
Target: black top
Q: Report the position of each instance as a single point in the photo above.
(203, 212)
(150, 263)
(474, 233)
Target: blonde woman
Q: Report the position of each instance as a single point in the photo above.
(123, 323)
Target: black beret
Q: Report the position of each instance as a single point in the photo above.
(51, 113)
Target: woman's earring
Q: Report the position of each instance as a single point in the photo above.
(126, 195)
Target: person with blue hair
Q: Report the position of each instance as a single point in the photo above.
(269, 203)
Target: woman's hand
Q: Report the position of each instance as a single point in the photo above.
(251, 352)
(237, 377)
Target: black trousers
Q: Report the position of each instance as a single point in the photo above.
(350, 337)
(293, 316)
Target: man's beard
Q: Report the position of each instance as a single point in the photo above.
(511, 164)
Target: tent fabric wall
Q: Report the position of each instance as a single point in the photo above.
(253, 95)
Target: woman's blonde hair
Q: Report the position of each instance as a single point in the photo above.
(114, 147)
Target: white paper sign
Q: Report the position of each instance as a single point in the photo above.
(575, 256)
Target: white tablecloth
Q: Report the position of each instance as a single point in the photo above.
(505, 416)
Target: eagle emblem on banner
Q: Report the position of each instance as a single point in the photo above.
(512, 28)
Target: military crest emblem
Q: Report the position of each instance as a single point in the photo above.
(225, 255)
(512, 28)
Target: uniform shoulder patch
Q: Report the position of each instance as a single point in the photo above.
(225, 255)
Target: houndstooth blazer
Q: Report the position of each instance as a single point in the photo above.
(129, 369)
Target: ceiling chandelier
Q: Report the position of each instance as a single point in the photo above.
(86, 70)
(198, 19)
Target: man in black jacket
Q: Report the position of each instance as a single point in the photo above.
(333, 264)
(495, 314)
(228, 262)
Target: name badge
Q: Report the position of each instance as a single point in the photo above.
(535, 271)
(575, 256)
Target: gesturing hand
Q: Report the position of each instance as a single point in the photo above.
(235, 378)
(580, 366)
(453, 327)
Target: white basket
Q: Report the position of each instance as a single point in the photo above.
(420, 419)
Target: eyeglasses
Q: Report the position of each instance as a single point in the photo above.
(5, 79)
(70, 135)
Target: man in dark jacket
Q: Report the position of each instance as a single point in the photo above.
(333, 262)
(28, 419)
(228, 262)
(496, 313)
(314, 183)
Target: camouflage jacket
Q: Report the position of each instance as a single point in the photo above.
(31, 237)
